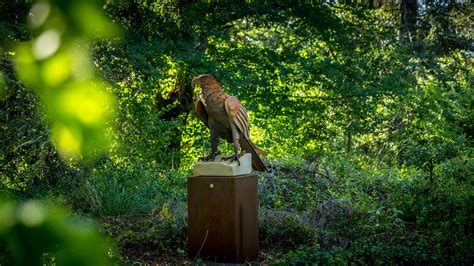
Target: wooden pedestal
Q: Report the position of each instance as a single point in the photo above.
(223, 218)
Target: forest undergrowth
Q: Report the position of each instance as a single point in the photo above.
(326, 210)
(365, 109)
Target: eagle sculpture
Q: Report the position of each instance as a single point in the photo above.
(226, 118)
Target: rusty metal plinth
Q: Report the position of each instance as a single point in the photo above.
(223, 218)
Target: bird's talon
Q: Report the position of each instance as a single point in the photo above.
(236, 158)
(232, 158)
(210, 157)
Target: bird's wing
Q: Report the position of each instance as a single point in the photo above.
(201, 111)
(237, 115)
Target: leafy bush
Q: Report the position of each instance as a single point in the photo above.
(315, 255)
(365, 216)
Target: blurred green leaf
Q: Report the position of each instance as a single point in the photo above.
(34, 231)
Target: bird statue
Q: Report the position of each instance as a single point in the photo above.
(226, 118)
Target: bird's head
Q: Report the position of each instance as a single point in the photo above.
(204, 80)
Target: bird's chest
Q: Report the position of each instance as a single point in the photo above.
(216, 111)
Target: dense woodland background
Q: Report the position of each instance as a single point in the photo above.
(365, 109)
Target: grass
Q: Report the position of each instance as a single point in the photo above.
(323, 211)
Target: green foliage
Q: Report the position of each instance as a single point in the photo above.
(55, 64)
(27, 158)
(38, 233)
(356, 214)
(158, 236)
(369, 129)
(143, 211)
(315, 255)
(109, 191)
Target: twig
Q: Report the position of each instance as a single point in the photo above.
(202, 245)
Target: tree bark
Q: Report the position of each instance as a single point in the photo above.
(349, 141)
(408, 20)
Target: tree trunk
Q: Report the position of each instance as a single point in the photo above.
(408, 19)
(181, 96)
(349, 141)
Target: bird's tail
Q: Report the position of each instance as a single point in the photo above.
(262, 152)
(249, 147)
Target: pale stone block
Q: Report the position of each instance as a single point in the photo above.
(224, 168)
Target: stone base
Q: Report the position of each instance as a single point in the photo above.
(224, 168)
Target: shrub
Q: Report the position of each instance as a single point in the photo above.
(315, 255)
(377, 215)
